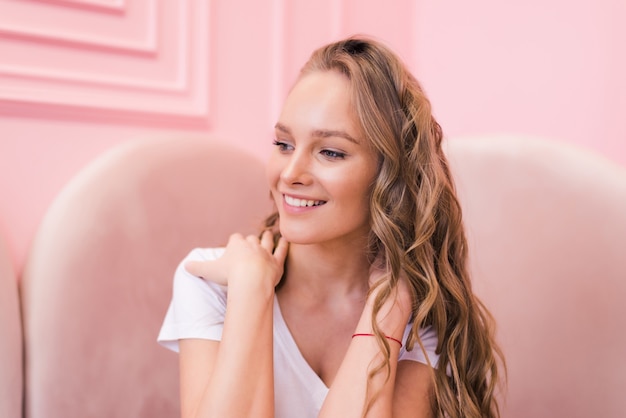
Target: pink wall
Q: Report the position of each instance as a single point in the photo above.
(553, 68)
(80, 76)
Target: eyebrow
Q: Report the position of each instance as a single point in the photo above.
(321, 133)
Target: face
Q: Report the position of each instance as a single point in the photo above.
(321, 169)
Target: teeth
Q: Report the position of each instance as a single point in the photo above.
(302, 203)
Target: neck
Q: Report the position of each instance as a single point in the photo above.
(322, 273)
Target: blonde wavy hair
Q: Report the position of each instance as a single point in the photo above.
(416, 225)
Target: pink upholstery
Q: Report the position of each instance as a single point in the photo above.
(547, 229)
(10, 339)
(98, 280)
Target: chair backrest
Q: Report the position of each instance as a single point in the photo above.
(98, 280)
(547, 237)
(11, 365)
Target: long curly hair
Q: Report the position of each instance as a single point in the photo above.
(416, 225)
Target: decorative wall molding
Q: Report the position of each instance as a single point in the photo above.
(106, 5)
(143, 14)
(176, 85)
(163, 74)
(64, 35)
(277, 54)
(148, 44)
(281, 50)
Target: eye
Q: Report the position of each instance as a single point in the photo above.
(333, 155)
(282, 146)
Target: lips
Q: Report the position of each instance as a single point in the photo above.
(302, 203)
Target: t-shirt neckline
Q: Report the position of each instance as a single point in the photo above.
(294, 351)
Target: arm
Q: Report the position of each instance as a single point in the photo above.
(405, 393)
(413, 390)
(234, 377)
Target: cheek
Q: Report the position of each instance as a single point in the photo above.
(353, 190)
(362, 194)
(272, 172)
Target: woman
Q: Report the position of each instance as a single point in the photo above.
(356, 299)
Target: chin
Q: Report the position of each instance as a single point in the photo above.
(298, 237)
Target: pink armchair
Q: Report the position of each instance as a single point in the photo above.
(10, 339)
(547, 231)
(98, 279)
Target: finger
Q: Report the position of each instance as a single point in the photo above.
(379, 260)
(202, 269)
(280, 252)
(252, 239)
(267, 240)
(235, 237)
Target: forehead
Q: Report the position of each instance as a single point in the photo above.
(320, 100)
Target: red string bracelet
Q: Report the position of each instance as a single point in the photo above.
(372, 335)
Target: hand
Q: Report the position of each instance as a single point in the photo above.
(244, 258)
(401, 295)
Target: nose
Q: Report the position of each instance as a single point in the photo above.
(296, 169)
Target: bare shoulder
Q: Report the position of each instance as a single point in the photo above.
(414, 390)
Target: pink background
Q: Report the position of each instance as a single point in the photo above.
(81, 76)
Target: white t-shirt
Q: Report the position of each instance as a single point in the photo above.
(198, 308)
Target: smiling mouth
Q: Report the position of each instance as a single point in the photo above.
(302, 203)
